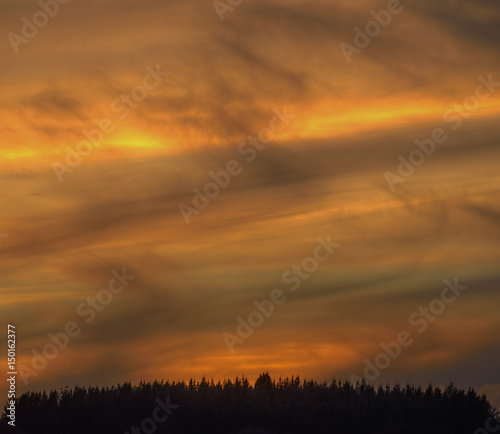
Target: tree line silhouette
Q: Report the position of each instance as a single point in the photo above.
(269, 406)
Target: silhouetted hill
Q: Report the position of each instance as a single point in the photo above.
(285, 406)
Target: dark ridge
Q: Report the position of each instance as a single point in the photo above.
(269, 406)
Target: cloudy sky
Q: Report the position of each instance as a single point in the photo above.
(387, 145)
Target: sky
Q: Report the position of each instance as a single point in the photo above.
(355, 148)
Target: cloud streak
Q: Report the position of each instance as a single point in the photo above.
(324, 174)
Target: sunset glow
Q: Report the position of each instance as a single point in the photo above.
(207, 157)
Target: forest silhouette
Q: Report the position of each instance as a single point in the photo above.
(268, 406)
